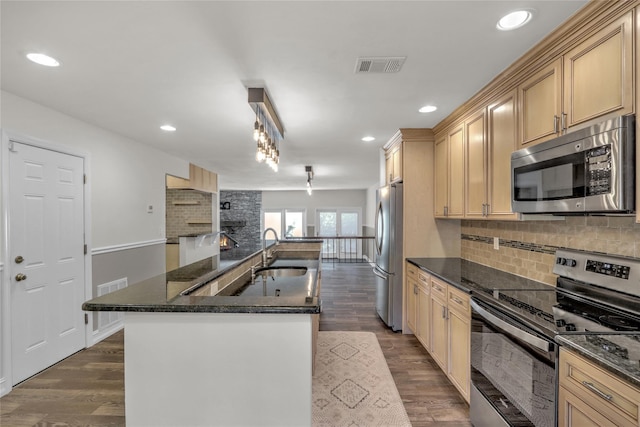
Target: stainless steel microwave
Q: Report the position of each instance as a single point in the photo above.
(591, 170)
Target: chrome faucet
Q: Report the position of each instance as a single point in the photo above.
(264, 244)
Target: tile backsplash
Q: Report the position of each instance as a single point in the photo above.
(184, 206)
(526, 248)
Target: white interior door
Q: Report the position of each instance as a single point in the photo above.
(46, 250)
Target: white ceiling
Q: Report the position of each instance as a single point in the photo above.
(130, 66)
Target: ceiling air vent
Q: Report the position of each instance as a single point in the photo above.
(379, 64)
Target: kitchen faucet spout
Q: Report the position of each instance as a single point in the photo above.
(264, 244)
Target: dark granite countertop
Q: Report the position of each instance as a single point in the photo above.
(599, 348)
(469, 276)
(162, 293)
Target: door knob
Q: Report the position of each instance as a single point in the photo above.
(19, 259)
(20, 277)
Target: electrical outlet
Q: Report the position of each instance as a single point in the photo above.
(496, 243)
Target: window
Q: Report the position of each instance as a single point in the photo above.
(291, 221)
(339, 223)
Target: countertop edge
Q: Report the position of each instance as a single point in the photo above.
(439, 276)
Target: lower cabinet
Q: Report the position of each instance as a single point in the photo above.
(590, 396)
(439, 315)
(417, 292)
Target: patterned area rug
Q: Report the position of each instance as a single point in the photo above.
(352, 385)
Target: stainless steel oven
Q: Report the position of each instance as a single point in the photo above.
(514, 328)
(512, 371)
(591, 170)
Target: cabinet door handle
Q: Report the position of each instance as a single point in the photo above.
(564, 122)
(443, 309)
(446, 211)
(594, 389)
(555, 123)
(487, 209)
(415, 290)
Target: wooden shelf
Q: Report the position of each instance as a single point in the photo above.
(199, 221)
(185, 202)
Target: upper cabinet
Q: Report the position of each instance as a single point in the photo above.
(583, 73)
(393, 159)
(598, 74)
(199, 179)
(592, 80)
(541, 105)
(449, 173)
(502, 127)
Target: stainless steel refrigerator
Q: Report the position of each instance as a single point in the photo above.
(388, 264)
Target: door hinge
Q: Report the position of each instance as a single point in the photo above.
(85, 249)
(11, 147)
(84, 178)
(86, 318)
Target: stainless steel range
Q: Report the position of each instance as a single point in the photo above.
(513, 351)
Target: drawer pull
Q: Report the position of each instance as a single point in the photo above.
(594, 389)
(457, 300)
(438, 288)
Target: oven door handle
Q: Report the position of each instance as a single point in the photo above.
(533, 340)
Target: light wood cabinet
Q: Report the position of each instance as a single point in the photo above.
(450, 333)
(476, 176)
(501, 122)
(540, 101)
(417, 292)
(598, 74)
(411, 292)
(459, 341)
(199, 179)
(590, 82)
(393, 161)
(449, 174)
(590, 396)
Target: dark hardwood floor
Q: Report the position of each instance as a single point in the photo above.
(87, 389)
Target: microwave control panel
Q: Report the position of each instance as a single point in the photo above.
(598, 165)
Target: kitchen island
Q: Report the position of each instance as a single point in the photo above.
(202, 347)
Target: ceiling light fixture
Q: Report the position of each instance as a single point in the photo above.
(168, 128)
(267, 129)
(42, 59)
(428, 109)
(368, 139)
(309, 171)
(513, 20)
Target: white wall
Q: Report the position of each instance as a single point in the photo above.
(319, 199)
(126, 176)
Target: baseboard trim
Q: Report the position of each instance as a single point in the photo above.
(5, 388)
(125, 246)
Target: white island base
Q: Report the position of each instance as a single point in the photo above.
(218, 369)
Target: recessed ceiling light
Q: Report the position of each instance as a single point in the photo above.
(428, 109)
(368, 139)
(168, 128)
(42, 59)
(514, 20)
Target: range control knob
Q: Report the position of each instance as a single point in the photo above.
(571, 262)
(560, 260)
(570, 327)
(560, 323)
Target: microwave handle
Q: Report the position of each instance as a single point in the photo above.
(533, 340)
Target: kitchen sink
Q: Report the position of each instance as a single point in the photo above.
(280, 271)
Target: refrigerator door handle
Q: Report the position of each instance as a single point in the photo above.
(381, 274)
(379, 230)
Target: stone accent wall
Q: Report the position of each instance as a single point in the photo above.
(527, 248)
(178, 214)
(245, 206)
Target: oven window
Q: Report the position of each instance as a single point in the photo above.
(520, 385)
(562, 178)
